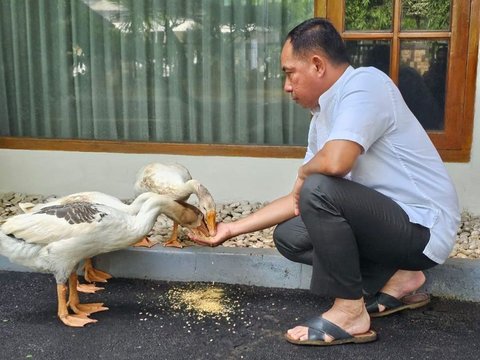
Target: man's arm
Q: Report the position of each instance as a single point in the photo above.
(336, 158)
(272, 214)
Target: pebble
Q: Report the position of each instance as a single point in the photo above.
(467, 244)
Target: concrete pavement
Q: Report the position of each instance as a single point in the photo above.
(146, 322)
(457, 278)
(267, 294)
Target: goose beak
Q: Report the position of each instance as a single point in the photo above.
(212, 222)
(202, 228)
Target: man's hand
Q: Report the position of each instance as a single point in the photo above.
(296, 189)
(296, 195)
(223, 233)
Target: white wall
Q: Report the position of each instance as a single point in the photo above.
(228, 178)
(60, 172)
(466, 176)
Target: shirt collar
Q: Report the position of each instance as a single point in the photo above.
(328, 95)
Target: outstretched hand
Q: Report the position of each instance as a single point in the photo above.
(223, 234)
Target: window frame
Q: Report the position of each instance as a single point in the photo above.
(454, 149)
(454, 143)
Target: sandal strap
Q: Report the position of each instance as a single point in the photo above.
(318, 327)
(386, 300)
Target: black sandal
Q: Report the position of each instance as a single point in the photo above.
(393, 305)
(319, 327)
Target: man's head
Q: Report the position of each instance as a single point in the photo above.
(313, 58)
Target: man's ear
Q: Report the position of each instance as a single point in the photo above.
(319, 64)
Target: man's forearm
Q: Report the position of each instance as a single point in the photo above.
(274, 213)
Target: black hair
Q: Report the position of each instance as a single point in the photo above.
(318, 34)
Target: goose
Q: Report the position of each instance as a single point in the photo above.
(175, 180)
(91, 274)
(56, 238)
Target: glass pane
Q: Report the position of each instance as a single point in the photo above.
(426, 15)
(422, 80)
(370, 53)
(373, 15)
(189, 71)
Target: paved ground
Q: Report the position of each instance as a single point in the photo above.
(146, 320)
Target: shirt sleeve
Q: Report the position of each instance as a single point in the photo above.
(312, 141)
(364, 110)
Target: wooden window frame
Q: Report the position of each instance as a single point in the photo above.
(455, 141)
(455, 147)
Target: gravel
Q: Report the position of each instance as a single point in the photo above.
(467, 244)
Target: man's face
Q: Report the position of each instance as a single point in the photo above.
(301, 78)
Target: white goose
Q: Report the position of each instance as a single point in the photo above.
(56, 238)
(94, 197)
(175, 180)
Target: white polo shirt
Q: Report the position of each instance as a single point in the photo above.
(398, 158)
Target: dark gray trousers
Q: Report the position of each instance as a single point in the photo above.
(354, 237)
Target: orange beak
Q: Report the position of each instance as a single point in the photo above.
(212, 222)
(202, 228)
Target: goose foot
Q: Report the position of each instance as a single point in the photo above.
(88, 288)
(173, 243)
(76, 320)
(145, 242)
(94, 275)
(62, 311)
(87, 309)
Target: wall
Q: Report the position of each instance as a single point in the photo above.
(466, 176)
(59, 173)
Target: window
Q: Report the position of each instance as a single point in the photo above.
(203, 77)
(429, 48)
(147, 72)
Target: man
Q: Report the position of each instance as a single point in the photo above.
(372, 205)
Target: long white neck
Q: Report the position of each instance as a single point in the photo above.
(154, 206)
(186, 189)
(137, 204)
(196, 187)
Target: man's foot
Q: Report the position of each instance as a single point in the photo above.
(401, 284)
(319, 329)
(349, 315)
(391, 305)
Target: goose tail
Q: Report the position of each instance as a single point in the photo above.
(26, 207)
(19, 251)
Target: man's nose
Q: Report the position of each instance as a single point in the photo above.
(287, 87)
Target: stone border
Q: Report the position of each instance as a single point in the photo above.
(457, 278)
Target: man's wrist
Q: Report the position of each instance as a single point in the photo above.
(301, 173)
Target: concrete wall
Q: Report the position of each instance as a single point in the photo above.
(59, 172)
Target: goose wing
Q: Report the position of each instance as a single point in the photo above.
(56, 222)
(94, 197)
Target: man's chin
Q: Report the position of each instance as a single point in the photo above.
(298, 102)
